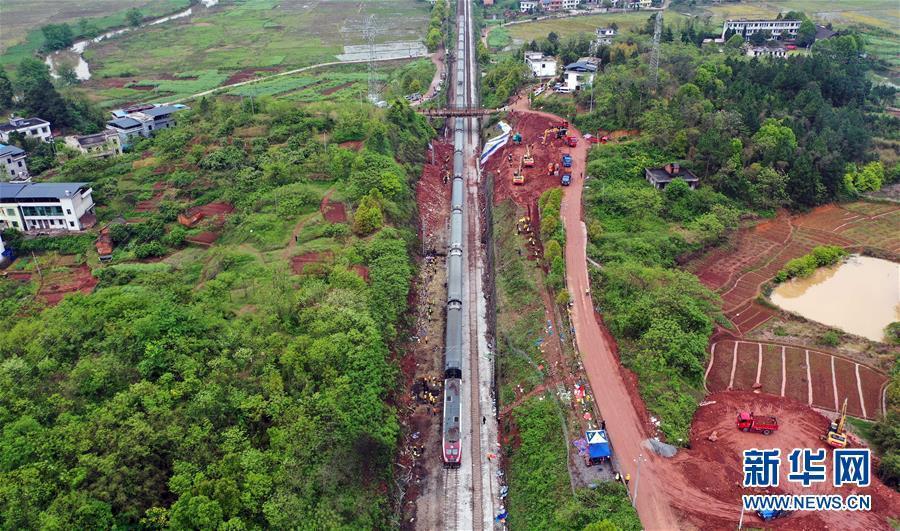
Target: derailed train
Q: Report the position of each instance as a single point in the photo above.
(453, 349)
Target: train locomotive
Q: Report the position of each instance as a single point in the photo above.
(453, 349)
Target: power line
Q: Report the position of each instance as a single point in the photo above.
(654, 56)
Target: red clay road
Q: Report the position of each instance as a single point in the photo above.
(622, 420)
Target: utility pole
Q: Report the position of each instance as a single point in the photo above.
(637, 480)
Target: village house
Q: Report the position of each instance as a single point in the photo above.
(529, 6)
(580, 73)
(104, 144)
(46, 206)
(570, 4)
(777, 28)
(540, 65)
(639, 4)
(27, 127)
(142, 120)
(660, 177)
(604, 36)
(13, 161)
(766, 51)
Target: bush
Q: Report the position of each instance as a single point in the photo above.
(148, 250)
(830, 338)
(69, 244)
(821, 256)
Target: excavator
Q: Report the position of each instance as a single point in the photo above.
(836, 436)
(528, 158)
(518, 177)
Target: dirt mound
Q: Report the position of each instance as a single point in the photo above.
(300, 263)
(433, 194)
(361, 270)
(537, 179)
(714, 467)
(333, 212)
(354, 145)
(205, 238)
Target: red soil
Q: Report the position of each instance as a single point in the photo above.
(206, 238)
(845, 374)
(720, 372)
(361, 270)
(745, 374)
(713, 469)
(823, 390)
(217, 210)
(248, 74)
(537, 180)
(332, 90)
(56, 286)
(873, 384)
(21, 276)
(770, 375)
(795, 372)
(433, 194)
(301, 262)
(354, 145)
(333, 212)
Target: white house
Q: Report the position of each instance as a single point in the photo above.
(46, 206)
(605, 35)
(570, 4)
(580, 73)
(13, 161)
(766, 51)
(778, 28)
(27, 127)
(104, 144)
(142, 120)
(540, 65)
(529, 6)
(639, 4)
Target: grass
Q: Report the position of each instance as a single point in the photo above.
(233, 37)
(499, 38)
(22, 19)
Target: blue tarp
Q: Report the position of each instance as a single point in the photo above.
(598, 444)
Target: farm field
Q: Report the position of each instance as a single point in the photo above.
(22, 19)
(756, 253)
(741, 358)
(235, 40)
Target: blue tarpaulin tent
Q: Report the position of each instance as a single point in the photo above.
(598, 444)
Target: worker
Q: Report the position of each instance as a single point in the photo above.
(483, 420)
(602, 424)
(618, 477)
(627, 479)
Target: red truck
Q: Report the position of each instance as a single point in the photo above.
(746, 422)
(572, 141)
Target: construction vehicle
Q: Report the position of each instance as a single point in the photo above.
(767, 515)
(746, 422)
(566, 180)
(517, 138)
(836, 436)
(528, 158)
(518, 177)
(552, 130)
(571, 141)
(567, 160)
(562, 124)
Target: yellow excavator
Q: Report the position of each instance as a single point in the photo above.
(528, 159)
(836, 436)
(518, 177)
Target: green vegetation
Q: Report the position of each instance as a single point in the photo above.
(553, 238)
(885, 434)
(440, 13)
(215, 389)
(821, 256)
(245, 36)
(540, 495)
(661, 316)
(502, 80)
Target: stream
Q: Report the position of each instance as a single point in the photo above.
(76, 51)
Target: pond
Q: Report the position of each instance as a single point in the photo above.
(860, 296)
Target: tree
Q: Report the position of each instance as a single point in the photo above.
(433, 39)
(39, 96)
(134, 17)
(806, 35)
(867, 179)
(6, 90)
(734, 42)
(57, 36)
(368, 217)
(774, 142)
(759, 38)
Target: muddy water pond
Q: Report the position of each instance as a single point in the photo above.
(860, 296)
